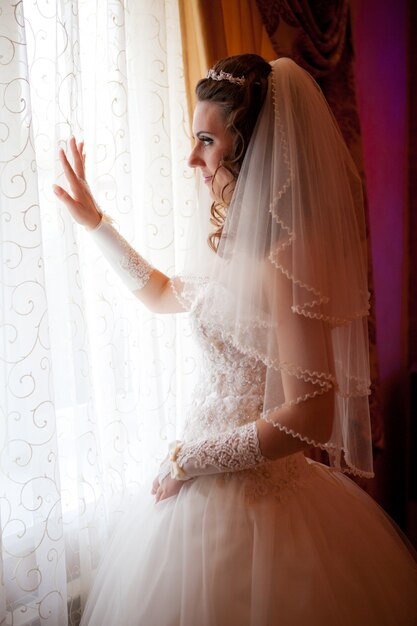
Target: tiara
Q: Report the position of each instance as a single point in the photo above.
(225, 76)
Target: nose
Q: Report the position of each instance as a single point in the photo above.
(195, 160)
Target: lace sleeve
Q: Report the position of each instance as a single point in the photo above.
(228, 452)
(133, 269)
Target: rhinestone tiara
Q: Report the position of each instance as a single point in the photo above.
(225, 76)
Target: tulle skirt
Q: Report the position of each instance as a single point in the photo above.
(280, 546)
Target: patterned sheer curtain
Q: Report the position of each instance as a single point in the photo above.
(90, 390)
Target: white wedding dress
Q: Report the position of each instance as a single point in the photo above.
(288, 543)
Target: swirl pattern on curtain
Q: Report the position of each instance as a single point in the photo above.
(89, 383)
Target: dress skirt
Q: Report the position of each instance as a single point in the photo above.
(287, 544)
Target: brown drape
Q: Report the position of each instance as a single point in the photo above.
(317, 35)
(213, 29)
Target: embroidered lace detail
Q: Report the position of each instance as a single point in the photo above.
(177, 291)
(279, 480)
(229, 395)
(228, 452)
(136, 266)
(230, 390)
(186, 288)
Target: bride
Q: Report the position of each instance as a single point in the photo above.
(242, 529)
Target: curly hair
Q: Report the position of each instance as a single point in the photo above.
(240, 106)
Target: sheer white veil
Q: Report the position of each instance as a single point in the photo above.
(288, 285)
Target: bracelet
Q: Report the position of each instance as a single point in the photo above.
(177, 473)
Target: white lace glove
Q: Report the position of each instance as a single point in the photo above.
(228, 452)
(133, 269)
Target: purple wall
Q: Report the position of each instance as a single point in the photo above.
(379, 33)
(380, 44)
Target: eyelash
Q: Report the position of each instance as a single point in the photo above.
(205, 140)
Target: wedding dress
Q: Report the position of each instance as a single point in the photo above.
(280, 321)
(286, 543)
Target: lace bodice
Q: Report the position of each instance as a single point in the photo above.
(230, 389)
(229, 395)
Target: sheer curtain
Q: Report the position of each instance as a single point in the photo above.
(91, 384)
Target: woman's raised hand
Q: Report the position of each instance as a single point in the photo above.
(81, 203)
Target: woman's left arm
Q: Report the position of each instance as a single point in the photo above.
(242, 448)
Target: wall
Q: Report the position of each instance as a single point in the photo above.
(379, 33)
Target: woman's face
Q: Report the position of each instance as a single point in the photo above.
(212, 144)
